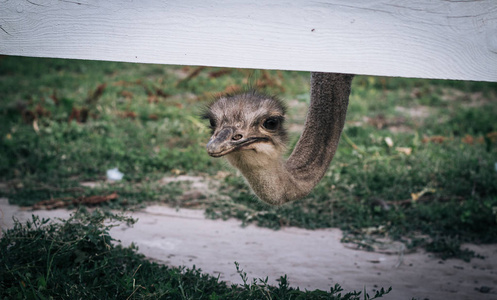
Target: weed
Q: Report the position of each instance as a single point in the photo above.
(77, 258)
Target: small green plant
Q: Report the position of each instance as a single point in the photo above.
(77, 258)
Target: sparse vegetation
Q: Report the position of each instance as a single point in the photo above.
(77, 259)
(416, 162)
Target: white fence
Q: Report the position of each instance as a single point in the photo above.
(424, 38)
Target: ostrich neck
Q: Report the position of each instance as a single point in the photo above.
(276, 181)
(325, 120)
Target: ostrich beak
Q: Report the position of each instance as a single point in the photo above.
(227, 141)
(220, 144)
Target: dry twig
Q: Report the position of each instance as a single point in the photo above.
(66, 201)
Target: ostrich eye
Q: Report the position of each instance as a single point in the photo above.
(271, 124)
(212, 122)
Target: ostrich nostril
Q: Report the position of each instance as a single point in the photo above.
(236, 137)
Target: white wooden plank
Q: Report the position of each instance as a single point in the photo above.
(425, 38)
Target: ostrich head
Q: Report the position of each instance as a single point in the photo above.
(248, 130)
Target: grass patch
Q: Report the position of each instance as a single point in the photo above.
(77, 258)
(416, 162)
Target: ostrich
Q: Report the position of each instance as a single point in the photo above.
(247, 129)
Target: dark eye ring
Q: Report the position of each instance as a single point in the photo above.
(271, 124)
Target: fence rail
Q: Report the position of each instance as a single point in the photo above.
(425, 38)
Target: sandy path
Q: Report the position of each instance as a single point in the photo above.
(311, 259)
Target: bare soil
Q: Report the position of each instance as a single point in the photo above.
(311, 259)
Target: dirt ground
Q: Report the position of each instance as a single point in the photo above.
(311, 259)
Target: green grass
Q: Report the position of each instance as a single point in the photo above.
(64, 122)
(77, 259)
